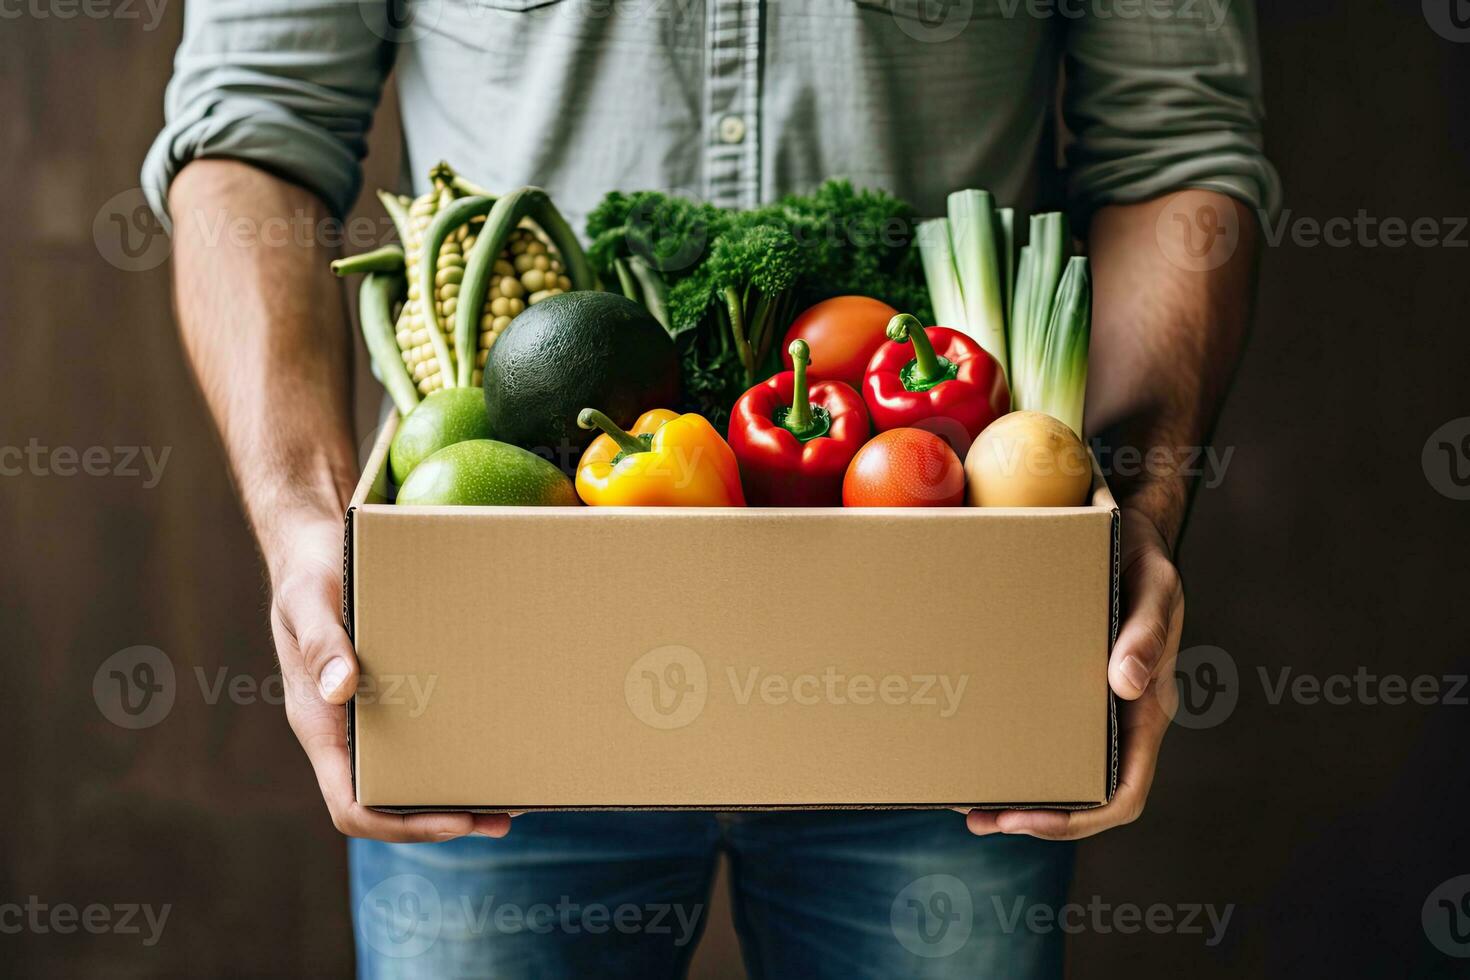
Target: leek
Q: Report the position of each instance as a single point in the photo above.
(1061, 386)
(939, 273)
(974, 235)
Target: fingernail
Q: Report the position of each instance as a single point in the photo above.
(333, 674)
(448, 835)
(1135, 671)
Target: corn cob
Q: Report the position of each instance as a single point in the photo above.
(527, 271)
(439, 230)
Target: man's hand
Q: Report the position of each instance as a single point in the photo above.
(319, 671)
(1166, 336)
(263, 323)
(1141, 671)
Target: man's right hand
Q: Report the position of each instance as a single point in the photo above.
(319, 671)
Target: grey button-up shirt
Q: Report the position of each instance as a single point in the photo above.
(733, 101)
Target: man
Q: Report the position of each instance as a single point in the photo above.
(732, 101)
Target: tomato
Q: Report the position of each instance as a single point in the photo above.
(904, 468)
(843, 334)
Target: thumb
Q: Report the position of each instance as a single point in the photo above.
(1153, 602)
(309, 611)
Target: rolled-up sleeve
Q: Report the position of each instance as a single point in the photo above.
(1165, 99)
(287, 85)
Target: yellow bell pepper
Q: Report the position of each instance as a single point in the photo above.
(668, 460)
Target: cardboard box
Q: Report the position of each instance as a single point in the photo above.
(530, 658)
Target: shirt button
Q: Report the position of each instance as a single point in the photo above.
(732, 129)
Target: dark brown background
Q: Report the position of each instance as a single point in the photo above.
(1325, 549)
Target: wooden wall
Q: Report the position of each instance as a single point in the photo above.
(1325, 549)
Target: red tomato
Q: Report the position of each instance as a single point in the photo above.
(904, 468)
(843, 333)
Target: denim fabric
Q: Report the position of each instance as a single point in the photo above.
(880, 894)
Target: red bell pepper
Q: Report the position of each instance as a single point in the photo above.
(794, 440)
(946, 383)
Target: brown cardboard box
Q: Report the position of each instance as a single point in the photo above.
(533, 658)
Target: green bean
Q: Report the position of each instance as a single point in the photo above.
(375, 311)
(389, 258)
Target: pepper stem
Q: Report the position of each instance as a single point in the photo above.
(929, 368)
(591, 418)
(799, 420)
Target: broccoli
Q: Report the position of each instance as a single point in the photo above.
(727, 284)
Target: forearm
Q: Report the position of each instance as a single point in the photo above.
(266, 333)
(1165, 344)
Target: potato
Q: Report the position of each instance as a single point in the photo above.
(1027, 459)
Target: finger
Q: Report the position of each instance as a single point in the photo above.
(1140, 761)
(982, 823)
(327, 751)
(1153, 618)
(310, 613)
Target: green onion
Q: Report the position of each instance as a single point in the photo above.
(1062, 370)
(974, 235)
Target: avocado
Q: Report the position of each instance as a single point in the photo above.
(484, 472)
(573, 351)
(445, 417)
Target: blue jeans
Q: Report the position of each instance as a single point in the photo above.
(853, 894)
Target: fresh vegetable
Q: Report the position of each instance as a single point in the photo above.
(1061, 387)
(794, 440)
(1032, 312)
(443, 344)
(904, 468)
(375, 314)
(843, 333)
(1027, 459)
(444, 417)
(567, 352)
(726, 283)
(668, 460)
(1037, 278)
(936, 379)
(483, 472)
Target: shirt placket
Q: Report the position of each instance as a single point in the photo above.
(731, 104)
